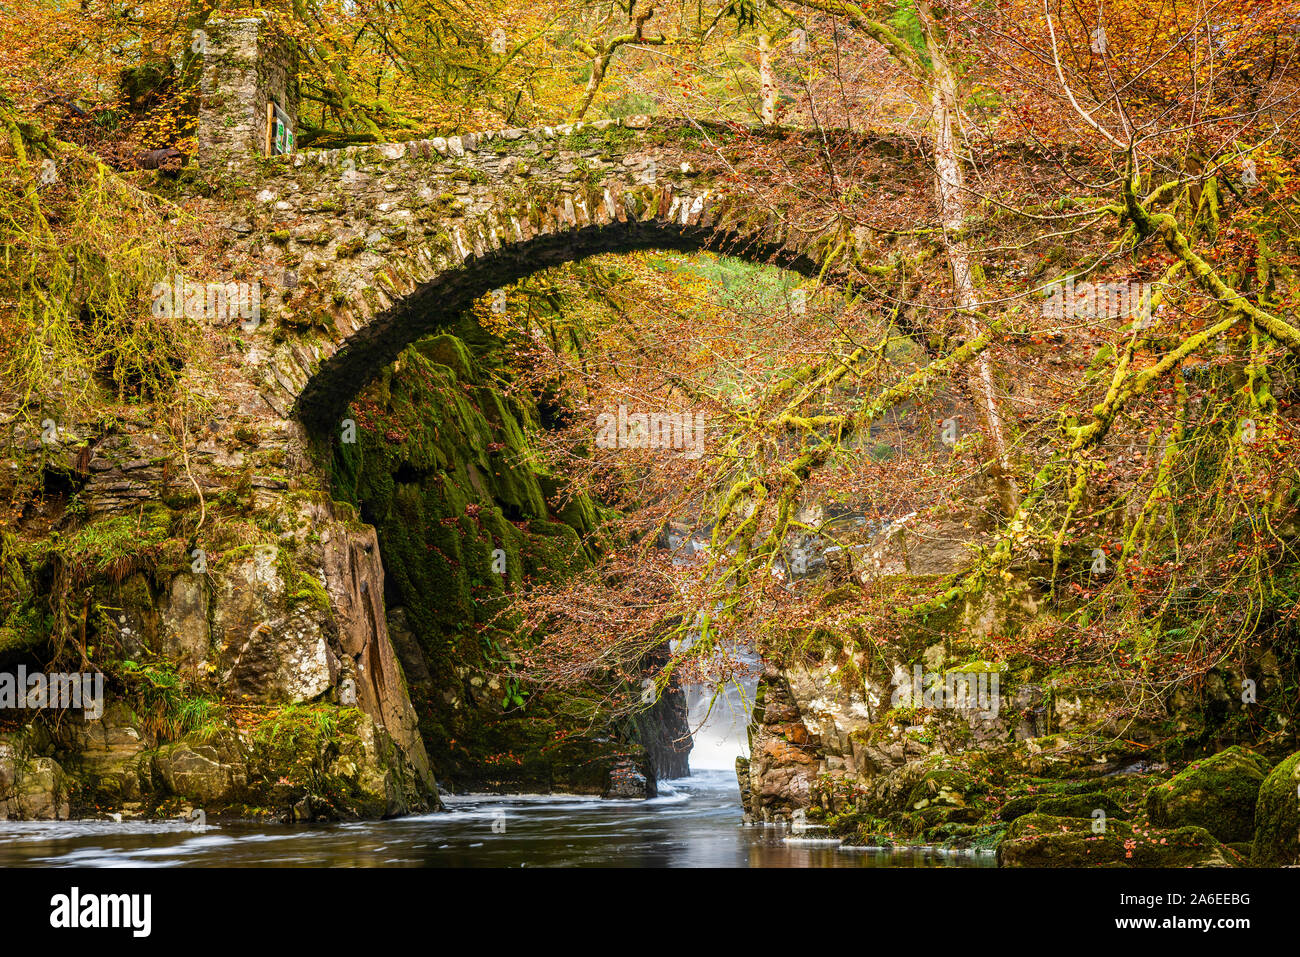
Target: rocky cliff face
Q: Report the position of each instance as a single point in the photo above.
(664, 732)
(260, 654)
(209, 661)
(1055, 767)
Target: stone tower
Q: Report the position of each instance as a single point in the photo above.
(246, 66)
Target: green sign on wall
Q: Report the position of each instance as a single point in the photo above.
(281, 133)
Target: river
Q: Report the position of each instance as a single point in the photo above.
(694, 823)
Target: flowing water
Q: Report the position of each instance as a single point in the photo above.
(694, 823)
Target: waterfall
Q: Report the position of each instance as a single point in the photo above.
(720, 735)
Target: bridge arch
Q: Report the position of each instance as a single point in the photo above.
(376, 246)
(435, 304)
(384, 244)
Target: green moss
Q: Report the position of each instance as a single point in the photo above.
(1218, 793)
(311, 592)
(449, 351)
(1040, 840)
(611, 139)
(22, 633)
(112, 543)
(350, 247)
(979, 667)
(944, 785)
(318, 752)
(1081, 805)
(1277, 817)
(443, 469)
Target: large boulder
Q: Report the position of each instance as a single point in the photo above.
(626, 782)
(1277, 817)
(1039, 840)
(272, 645)
(338, 761)
(109, 758)
(1218, 794)
(212, 774)
(32, 788)
(783, 761)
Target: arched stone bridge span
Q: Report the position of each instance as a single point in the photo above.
(383, 244)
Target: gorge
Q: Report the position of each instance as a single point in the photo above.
(358, 587)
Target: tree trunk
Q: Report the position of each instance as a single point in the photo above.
(598, 66)
(950, 193)
(766, 80)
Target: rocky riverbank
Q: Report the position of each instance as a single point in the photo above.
(1059, 769)
(272, 664)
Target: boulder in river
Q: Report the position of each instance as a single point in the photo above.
(1218, 794)
(1277, 817)
(32, 787)
(1039, 840)
(626, 782)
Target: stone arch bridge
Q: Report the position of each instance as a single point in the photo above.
(379, 245)
(385, 244)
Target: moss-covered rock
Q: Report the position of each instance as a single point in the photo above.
(313, 762)
(1080, 805)
(1218, 794)
(942, 787)
(943, 797)
(33, 786)
(211, 774)
(1277, 817)
(1040, 840)
(109, 758)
